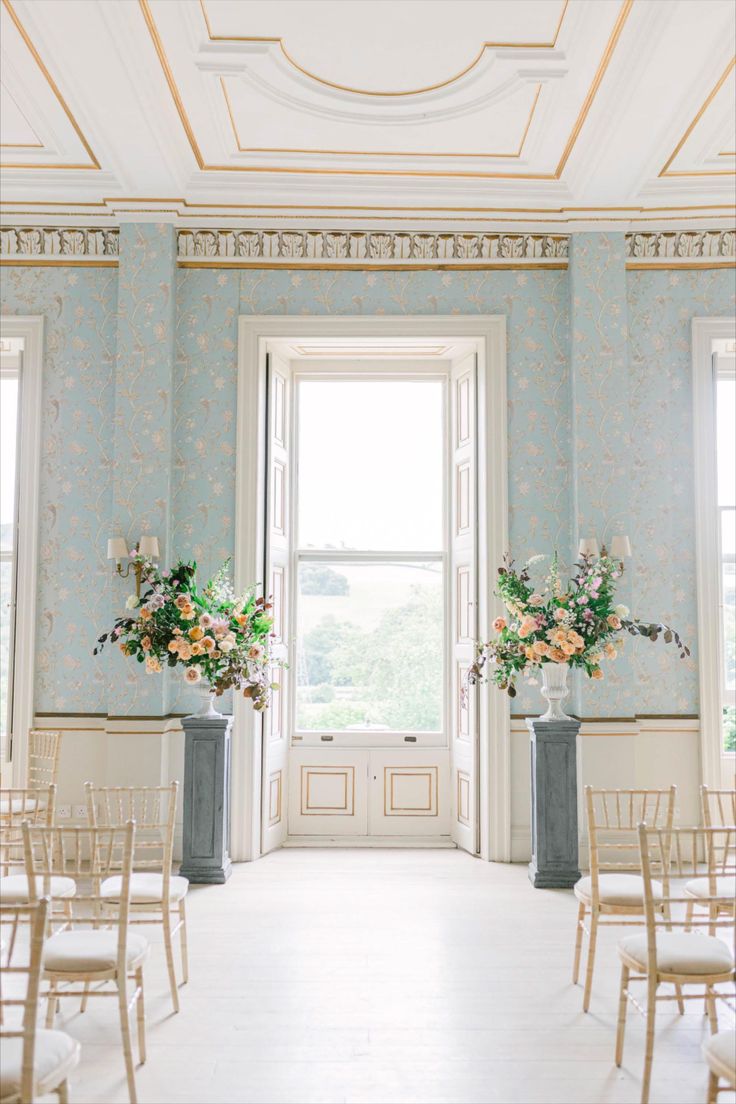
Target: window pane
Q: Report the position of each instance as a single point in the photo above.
(370, 646)
(370, 464)
(8, 424)
(726, 441)
(728, 593)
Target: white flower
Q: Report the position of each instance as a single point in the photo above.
(621, 611)
(535, 559)
(193, 674)
(132, 601)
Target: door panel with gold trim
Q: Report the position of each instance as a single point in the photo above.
(328, 793)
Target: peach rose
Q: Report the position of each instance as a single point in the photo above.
(197, 648)
(527, 627)
(185, 651)
(614, 621)
(195, 633)
(242, 619)
(208, 643)
(146, 614)
(182, 601)
(187, 613)
(596, 673)
(499, 624)
(146, 643)
(560, 614)
(557, 655)
(529, 652)
(173, 645)
(540, 647)
(193, 674)
(152, 664)
(536, 600)
(567, 648)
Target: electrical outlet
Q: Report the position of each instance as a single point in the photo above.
(64, 812)
(80, 812)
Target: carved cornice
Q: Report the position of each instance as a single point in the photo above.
(681, 246)
(370, 248)
(59, 244)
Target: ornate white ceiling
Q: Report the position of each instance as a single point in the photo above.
(501, 114)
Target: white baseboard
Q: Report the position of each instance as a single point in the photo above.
(370, 841)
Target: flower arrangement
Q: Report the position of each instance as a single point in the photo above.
(578, 624)
(212, 633)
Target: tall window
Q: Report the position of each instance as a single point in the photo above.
(10, 382)
(370, 555)
(725, 388)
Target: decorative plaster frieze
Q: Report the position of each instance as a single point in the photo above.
(367, 248)
(681, 245)
(39, 242)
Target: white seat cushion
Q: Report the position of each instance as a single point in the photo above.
(55, 1057)
(725, 887)
(680, 953)
(616, 889)
(146, 889)
(25, 804)
(14, 888)
(720, 1054)
(90, 951)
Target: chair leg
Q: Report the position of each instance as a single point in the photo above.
(183, 941)
(85, 997)
(170, 957)
(680, 1001)
(11, 944)
(51, 1009)
(712, 1089)
(578, 943)
(127, 1045)
(689, 909)
(649, 1050)
(623, 1002)
(62, 1092)
(591, 960)
(710, 1003)
(141, 1016)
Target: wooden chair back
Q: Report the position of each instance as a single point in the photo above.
(153, 808)
(719, 811)
(44, 748)
(613, 820)
(682, 853)
(88, 855)
(16, 807)
(22, 1021)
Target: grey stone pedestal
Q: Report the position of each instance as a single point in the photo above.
(554, 862)
(206, 806)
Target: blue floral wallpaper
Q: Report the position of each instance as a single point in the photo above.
(74, 582)
(648, 436)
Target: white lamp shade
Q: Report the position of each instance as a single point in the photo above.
(149, 547)
(117, 548)
(588, 547)
(620, 547)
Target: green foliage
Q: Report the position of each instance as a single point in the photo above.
(729, 728)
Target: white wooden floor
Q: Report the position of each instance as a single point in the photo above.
(384, 976)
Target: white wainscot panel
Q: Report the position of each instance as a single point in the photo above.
(328, 792)
(409, 792)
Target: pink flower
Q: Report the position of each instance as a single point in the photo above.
(536, 600)
(499, 624)
(583, 600)
(528, 626)
(205, 620)
(560, 614)
(193, 674)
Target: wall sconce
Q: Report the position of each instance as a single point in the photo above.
(117, 549)
(620, 549)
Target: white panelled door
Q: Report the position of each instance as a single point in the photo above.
(277, 584)
(464, 779)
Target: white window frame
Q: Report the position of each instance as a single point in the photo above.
(488, 333)
(317, 370)
(30, 329)
(716, 764)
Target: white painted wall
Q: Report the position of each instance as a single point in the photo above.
(644, 754)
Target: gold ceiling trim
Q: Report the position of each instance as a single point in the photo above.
(53, 262)
(580, 121)
(21, 145)
(60, 99)
(370, 153)
(432, 266)
(665, 171)
(677, 266)
(367, 92)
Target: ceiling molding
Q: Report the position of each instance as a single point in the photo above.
(93, 162)
(369, 92)
(373, 153)
(666, 170)
(379, 250)
(611, 44)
